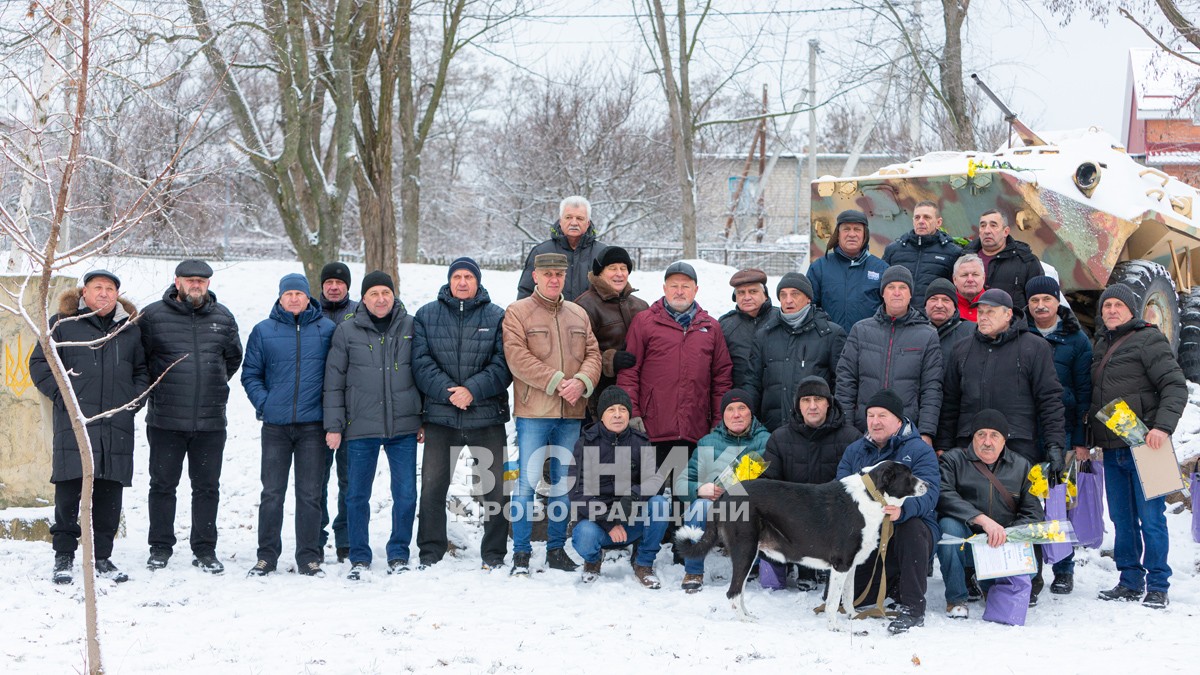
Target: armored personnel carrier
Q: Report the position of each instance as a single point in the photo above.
(1083, 205)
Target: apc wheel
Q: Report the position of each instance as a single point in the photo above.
(1189, 334)
(1156, 294)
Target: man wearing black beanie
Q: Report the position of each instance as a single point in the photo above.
(337, 306)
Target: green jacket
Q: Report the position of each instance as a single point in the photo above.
(716, 452)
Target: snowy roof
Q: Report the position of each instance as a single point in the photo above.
(1161, 81)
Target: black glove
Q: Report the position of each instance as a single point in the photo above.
(1058, 460)
(623, 360)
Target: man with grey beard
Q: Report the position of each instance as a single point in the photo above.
(199, 336)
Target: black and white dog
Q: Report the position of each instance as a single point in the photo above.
(833, 526)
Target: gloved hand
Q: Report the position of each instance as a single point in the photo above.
(1058, 460)
(636, 423)
(623, 360)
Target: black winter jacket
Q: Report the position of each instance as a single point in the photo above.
(739, 329)
(579, 261)
(928, 257)
(1010, 269)
(1012, 373)
(1144, 372)
(459, 343)
(369, 388)
(955, 330)
(1073, 363)
(967, 494)
(596, 449)
(105, 377)
(782, 356)
(338, 312)
(903, 355)
(193, 394)
(798, 453)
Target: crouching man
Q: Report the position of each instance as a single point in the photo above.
(985, 488)
(611, 510)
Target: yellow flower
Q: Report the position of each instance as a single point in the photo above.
(1038, 485)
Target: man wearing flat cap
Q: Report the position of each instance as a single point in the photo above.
(985, 488)
(554, 359)
(100, 345)
(185, 418)
(752, 309)
(797, 341)
(845, 280)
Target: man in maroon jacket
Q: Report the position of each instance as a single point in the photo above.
(682, 366)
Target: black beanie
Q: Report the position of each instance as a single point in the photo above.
(736, 396)
(896, 273)
(1043, 285)
(797, 281)
(990, 419)
(611, 255)
(889, 401)
(468, 264)
(377, 278)
(336, 270)
(1123, 293)
(813, 385)
(941, 286)
(613, 395)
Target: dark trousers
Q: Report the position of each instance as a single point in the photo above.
(906, 566)
(204, 451)
(106, 515)
(280, 445)
(340, 538)
(442, 448)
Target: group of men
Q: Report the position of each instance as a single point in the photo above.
(925, 357)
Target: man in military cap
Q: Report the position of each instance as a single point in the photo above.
(186, 414)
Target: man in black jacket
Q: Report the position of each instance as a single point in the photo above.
(971, 504)
(1003, 367)
(186, 414)
(573, 236)
(941, 308)
(458, 363)
(1008, 263)
(926, 250)
(101, 346)
(337, 306)
(753, 308)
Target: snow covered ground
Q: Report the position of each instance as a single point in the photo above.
(455, 618)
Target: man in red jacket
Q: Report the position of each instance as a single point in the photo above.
(682, 366)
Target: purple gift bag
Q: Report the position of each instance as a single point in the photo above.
(1008, 600)
(1196, 506)
(1056, 509)
(1088, 514)
(771, 575)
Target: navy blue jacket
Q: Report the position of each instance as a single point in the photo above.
(928, 257)
(459, 343)
(848, 290)
(908, 448)
(284, 370)
(596, 449)
(781, 356)
(739, 329)
(1073, 363)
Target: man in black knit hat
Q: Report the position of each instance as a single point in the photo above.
(337, 306)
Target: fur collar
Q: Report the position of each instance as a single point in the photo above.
(68, 304)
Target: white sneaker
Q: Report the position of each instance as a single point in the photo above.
(957, 611)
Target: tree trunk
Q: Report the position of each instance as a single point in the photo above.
(680, 116)
(410, 206)
(962, 129)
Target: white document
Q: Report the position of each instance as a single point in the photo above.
(1007, 560)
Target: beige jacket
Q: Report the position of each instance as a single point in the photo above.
(544, 343)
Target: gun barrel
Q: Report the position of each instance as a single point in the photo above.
(1027, 135)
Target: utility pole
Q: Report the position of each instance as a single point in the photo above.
(814, 48)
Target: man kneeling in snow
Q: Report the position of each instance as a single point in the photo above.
(608, 509)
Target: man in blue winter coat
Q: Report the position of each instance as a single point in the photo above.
(283, 374)
(891, 436)
(846, 280)
(458, 362)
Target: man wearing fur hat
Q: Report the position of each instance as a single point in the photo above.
(896, 349)
(971, 504)
(186, 412)
(282, 375)
(610, 304)
(752, 309)
(797, 341)
(101, 348)
(845, 280)
(1133, 361)
(892, 436)
(371, 401)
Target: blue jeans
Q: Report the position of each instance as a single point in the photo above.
(588, 537)
(953, 559)
(534, 434)
(696, 515)
(401, 454)
(1141, 525)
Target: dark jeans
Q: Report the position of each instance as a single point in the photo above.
(906, 566)
(204, 451)
(442, 447)
(106, 515)
(340, 538)
(1141, 545)
(280, 444)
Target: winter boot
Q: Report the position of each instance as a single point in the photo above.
(206, 563)
(1122, 593)
(106, 570)
(62, 569)
(397, 566)
(905, 620)
(692, 583)
(520, 566)
(591, 571)
(158, 559)
(357, 570)
(312, 569)
(645, 576)
(1156, 600)
(1063, 584)
(974, 592)
(557, 559)
(261, 569)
